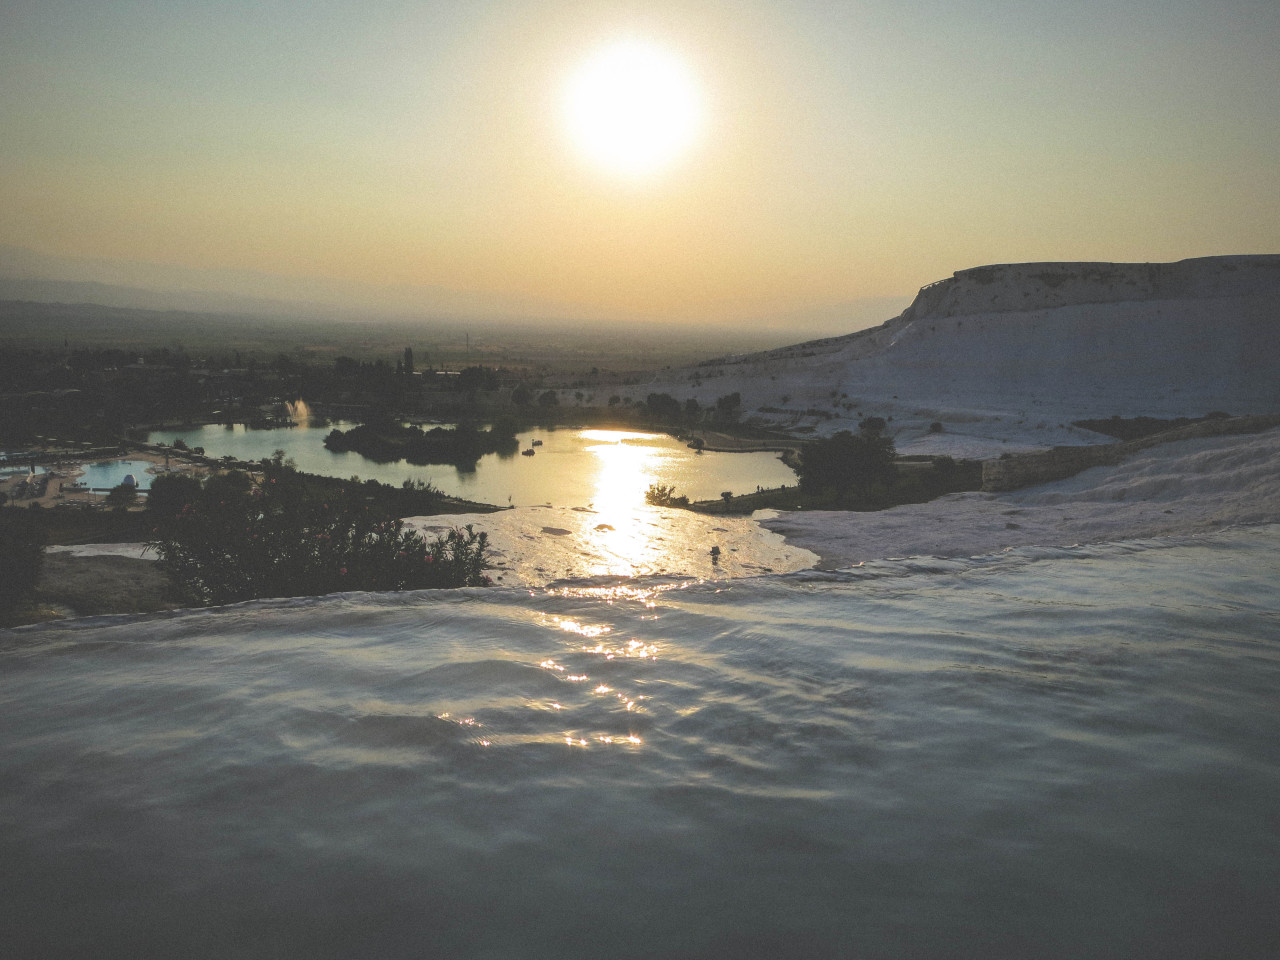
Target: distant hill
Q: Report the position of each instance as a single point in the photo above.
(118, 295)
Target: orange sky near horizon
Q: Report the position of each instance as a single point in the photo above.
(846, 150)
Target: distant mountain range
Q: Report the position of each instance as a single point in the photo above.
(30, 276)
(114, 295)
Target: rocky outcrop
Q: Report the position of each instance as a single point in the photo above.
(1017, 287)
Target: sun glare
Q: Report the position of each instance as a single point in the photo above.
(633, 108)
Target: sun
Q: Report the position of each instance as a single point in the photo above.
(633, 108)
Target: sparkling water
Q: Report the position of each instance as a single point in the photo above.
(570, 467)
(1047, 753)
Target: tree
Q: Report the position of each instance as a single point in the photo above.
(476, 379)
(122, 497)
(729, 407)
(663, 406)
(169, 493)
(548, 399)
(522, 396)
(846, 460)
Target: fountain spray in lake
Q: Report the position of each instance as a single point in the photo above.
(298, 410)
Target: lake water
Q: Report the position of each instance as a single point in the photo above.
(1050, 753)
(572, 467)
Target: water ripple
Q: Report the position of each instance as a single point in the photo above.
(1005, 757)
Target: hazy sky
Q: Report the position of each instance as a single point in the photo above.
(846, 150)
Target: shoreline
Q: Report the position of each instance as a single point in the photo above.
(1187, 487)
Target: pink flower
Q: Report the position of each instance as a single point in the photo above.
(343, 571)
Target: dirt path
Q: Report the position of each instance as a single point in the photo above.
(72, 586)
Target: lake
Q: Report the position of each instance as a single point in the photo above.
(572, 467)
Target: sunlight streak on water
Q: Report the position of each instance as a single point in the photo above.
(573, 626)
(644, 593)
(564, 472)
(623, 539)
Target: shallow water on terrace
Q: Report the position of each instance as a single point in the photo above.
(1051, 753)
(537, 545)
(571, 467)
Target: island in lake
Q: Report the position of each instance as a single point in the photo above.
(388, 442)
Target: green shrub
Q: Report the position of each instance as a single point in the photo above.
(21, 558)
(662, 495)
(234, 540)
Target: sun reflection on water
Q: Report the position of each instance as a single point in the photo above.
(624, 536)
(616, 537)
(634, 648)
(586, 630)
(612, 593)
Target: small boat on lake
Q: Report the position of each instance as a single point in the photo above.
(535, 443)
(528, 453)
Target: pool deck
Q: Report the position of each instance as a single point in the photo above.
(64, 473)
